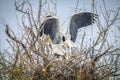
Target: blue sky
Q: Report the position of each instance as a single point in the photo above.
(65, 8)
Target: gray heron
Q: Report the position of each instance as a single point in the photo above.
(78, 20)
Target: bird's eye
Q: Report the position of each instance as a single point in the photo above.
(63, 38)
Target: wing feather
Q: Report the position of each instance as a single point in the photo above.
(80, 20)
(50, 27)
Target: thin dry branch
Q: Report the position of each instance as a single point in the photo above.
(17, 41)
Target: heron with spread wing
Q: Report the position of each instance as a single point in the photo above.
(51, 27)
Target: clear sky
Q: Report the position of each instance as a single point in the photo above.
(65, 8)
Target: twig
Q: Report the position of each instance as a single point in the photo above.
(17, 41)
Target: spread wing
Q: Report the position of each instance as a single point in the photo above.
(50, 27)
(80, 20)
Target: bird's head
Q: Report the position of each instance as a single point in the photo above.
(67, 40)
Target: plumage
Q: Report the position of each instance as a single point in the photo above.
(50, 27)
(79, 20)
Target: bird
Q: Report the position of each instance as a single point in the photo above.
(50, 26)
